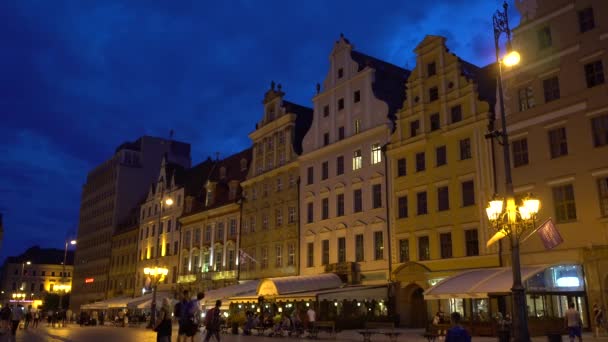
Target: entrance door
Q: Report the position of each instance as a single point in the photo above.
(418, 314)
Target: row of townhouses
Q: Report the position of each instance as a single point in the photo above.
(382, 184)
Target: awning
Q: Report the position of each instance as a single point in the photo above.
(248, 288)
(359, 293)
(145, 302)
(480, 283)
(294, 284)
(118, 302)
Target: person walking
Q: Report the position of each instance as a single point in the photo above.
(179, 311)
(36, 318)
(5, 318)
(598, 318)
(312, 317)
(28, 317)
(16, 317)
(163, 323)
(457, 333)
(574, 323)
(213, 322)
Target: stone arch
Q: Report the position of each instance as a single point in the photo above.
(411, 306)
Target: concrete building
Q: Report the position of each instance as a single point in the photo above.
(111, 190)
(557, 119)
(210, 225)
(342, 168)
(123, 260)
(441, 177)
(270, 208)
(36, 272)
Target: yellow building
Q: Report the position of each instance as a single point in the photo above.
(123, 260)
(441, 177)
(210, 225)
(270, 208)
(557, 119)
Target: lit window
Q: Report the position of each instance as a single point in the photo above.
(376, 154)
(357, 126)
(357, 160)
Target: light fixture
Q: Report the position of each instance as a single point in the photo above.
(169, 201)
(73, 242)
(511, 59)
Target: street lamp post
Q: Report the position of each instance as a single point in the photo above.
(513, 221)
(65, 256)
(21, 287)
(156, 274)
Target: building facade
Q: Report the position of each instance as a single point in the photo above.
(270, 224)
(441, 176)
(123, 260)
(111, 190)
(557, 119)
(342, 168)
(211, 225)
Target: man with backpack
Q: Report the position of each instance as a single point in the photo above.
(213, 322)
(457, 333)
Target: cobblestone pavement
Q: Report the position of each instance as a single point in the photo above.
(75, 333)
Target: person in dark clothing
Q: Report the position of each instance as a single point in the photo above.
(457, 333)
(213, 322)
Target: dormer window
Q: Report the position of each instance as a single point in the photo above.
(270, 114)
(243, 164)
(431, 69)
(340, 73)
(209, 199)
(222, 172)
(233, 186)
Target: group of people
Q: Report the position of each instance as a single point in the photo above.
(188, 313)
(12, 315)
(296, 323)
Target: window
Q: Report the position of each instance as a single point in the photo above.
(264, 262)
(446, 245)
(324, 170)
(551, 88)
(431, 69)
(472, 242)
(558, 142)
(357, 126)
(599, 128)
(594, 73)
(563, 200)
(433, 94)
(443, 198)
(279, 184)
(325, 208)
(291, 217)
(440, 156)
(252, 224)
(404, 250)
(278, 250)
(424, 253)
(281, 142)
(325, 139)
(340, 73)
(220, 230)
(378, 246)
(169, 226)
(544, 38)
(520, 152)
(341, 133)
(310, 175)
(402, 206)
(376, 154)
(357, 201)
(278, 214)
(310, 260)
(325, 252)
(435, 125)
(414, 127)
(175, 247)
(341, 249)
(291, 254)
(376, 196)
(309, 213)
(167, 249)
(586, 21)
(359, 253)
(456, 114)
(401, 167)
(325, 111)
(340, 165)
(340, 104)
(252, 265)
(340, 205)
(468, 193)
(357, 160)
(526, 98)
(420, 162)
(421, 203)
(357, 96)
(465, 149)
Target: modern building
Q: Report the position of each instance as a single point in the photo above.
(270, 227)
(441, 177)
(36, 272)
(343, 198)
(111, 190)
(557, 119)
(210, 225)
(123, 259)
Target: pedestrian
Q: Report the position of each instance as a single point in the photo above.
(28, 317)
(598, 318)
(213, 322)
(36, 318)
(5, 318)
(179, 311)
(457, 333)
(574, 323)
(16, 317)
(163, 325)
(312, 317)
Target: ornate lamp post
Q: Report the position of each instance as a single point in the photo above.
(18, 296)
(156, 274)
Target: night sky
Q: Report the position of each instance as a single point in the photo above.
(78, 78)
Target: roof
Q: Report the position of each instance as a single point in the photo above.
(304, 117)
(389, 81)
(37, 255)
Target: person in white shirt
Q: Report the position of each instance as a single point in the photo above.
(574, 322)
(312, 317)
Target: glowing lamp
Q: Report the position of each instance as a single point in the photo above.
(511, 59)
(494, 209)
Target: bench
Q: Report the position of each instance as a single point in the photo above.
(373, 328)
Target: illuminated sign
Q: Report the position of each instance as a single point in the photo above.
(89, 280)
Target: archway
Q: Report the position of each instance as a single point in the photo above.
(412, 309)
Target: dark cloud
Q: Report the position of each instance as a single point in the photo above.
(77, 78)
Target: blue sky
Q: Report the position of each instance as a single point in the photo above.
(77, 78)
